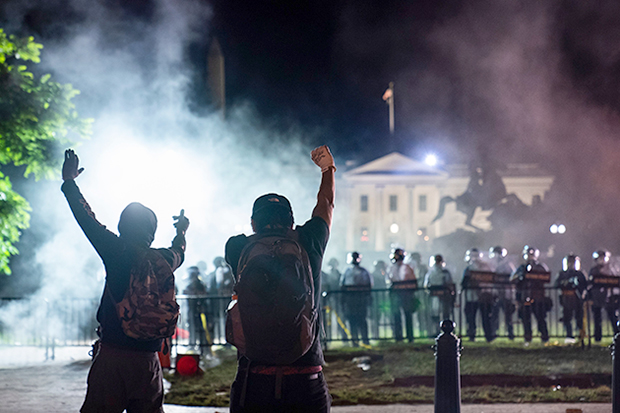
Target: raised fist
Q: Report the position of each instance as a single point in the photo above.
(323, 158)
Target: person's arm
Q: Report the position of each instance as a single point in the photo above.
(426, 282)
(232, 252)
(178, 243)
(465, 279)
(102, 240)
(324, 208)
(343, 278)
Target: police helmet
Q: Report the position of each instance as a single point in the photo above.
(193, 272)
(397, 255)
(354, 258)
(571, 262)
(498, 251)
(530, 253)
(437, 260)
(379, 265)
(415, 256)
(473, 254)
(601, 257)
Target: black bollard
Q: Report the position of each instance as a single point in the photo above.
(615, 375)
(447, 371)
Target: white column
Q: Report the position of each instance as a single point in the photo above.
(379, 230)
(409, 227)
(351, 229)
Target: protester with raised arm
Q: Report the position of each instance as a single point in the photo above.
(134, 317)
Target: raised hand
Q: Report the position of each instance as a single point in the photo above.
(182, 223)
(323, 158)
(71, 167)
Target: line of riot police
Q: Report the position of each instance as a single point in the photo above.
(493, 288)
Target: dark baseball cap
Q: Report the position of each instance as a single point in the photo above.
(269, 201)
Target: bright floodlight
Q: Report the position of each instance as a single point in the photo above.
(553, 229)
(394, 228)
(561, 229)
(431, 159)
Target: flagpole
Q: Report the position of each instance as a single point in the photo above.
(388, 96)
(392, 109)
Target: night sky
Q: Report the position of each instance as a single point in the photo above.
(460, 68)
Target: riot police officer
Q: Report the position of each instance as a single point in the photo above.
(196, 291)
(440, 286)
(504, 291)
(601, 295)
(356, 283)
(572, 284)
(379, 274)
(478, 295)
(402, 282)
(530, 278)
(419, 267)
(332, 280)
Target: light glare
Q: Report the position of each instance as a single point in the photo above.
(431, 159)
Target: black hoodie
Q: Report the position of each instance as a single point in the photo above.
(137, 227)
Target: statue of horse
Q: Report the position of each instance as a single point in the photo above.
(485, 189)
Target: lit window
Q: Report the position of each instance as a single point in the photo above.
(364, 203)
(364, 237)
(393, 203)
(422, 203)
(422, 233)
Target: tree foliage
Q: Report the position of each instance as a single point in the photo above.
(36, 116)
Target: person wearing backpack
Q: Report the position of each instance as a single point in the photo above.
(273, 318)
(138, 309)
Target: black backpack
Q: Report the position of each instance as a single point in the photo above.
(272, 318)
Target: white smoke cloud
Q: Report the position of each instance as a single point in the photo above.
(149, 147)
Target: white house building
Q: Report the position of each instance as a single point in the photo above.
(392, 201)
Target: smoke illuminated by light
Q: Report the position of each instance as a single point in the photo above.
(148, 147)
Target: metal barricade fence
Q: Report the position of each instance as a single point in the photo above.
(71, 321)
(50, 323)
(202, 322)
(382, 314)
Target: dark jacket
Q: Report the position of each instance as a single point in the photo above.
(118, 254)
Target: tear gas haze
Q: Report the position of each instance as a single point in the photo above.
(508, 82)
(148, 147)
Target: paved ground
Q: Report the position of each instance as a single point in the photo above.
(30, 384)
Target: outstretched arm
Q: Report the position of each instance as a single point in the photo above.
(178, 243)
(71, 167)
(102, 239)
(324, 208)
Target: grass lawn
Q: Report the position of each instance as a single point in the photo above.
(393, 366)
